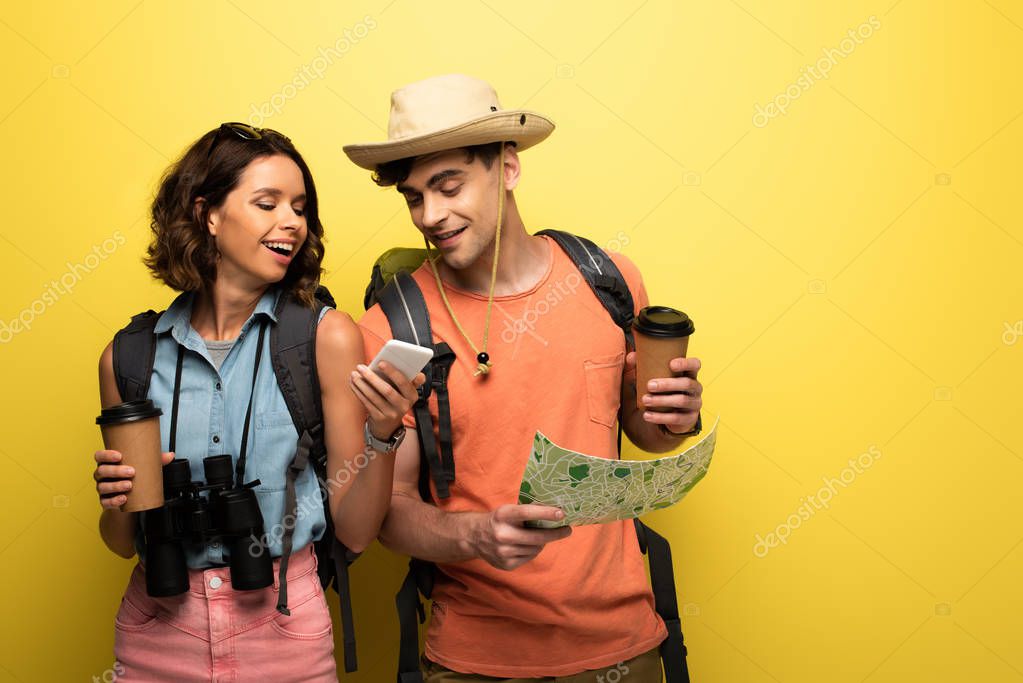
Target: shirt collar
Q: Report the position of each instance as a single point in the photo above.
(177, 318)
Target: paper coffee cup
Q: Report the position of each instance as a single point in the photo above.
(661, 334)
(133, 429)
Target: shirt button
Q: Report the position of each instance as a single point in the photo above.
(216, 582)
(216, 439)
(218, 386)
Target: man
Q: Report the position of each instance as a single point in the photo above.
(512, 602)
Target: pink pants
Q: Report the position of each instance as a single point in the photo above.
(216, 633)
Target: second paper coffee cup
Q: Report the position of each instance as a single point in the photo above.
(133, 429)
(661, 334)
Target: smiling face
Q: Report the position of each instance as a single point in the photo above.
(453, 202)
(260, 227)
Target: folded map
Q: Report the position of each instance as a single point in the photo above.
(592, 490)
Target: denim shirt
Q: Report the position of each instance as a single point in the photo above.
(211, 417)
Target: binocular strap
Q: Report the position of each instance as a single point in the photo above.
(248, 410)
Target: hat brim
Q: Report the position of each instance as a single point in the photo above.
(524, 128)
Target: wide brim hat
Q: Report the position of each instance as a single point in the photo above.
(448, 112)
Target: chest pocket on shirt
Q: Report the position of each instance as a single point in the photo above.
(273, 418)
(272, 449)
(604, 387)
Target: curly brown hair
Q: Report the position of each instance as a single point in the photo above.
(182, 253)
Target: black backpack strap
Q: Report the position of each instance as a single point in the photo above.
(293, 355)
(662, 579)
(333, 560)
(411, 613)
(341, 557)
(134, 352)
(602, 275)
(405, 308)
(406, 311)
(298, 464)
(420, 577)
(440, 368)
(403, 303)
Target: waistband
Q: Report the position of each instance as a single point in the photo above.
(216, 581)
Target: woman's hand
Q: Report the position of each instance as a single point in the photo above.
(113, 480)
(387, 399)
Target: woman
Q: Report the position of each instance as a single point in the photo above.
(235, 226)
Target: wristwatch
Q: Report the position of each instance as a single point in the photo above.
(697, 428)
(388, 446)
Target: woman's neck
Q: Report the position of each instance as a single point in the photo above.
(218, 313)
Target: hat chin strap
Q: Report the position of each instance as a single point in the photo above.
(483, 363)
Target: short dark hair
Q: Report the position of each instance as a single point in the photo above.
(394, 172)
(182, 252)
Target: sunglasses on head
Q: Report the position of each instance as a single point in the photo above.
(243, 131)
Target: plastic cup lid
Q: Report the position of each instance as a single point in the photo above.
(132, 411)
(663, 321)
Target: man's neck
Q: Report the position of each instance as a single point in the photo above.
(523, 261)
(219, 313)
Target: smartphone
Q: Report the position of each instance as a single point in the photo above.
(410, 359)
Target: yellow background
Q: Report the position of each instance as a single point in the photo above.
(852, 268)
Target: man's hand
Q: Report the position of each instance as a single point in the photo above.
(501, 539)
(679, 397)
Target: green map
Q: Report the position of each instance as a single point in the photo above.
(592, 490)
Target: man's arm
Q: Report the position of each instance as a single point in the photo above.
(419, 529)
(681, 393)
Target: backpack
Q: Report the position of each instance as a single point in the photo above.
(293, 356)
(393, 287)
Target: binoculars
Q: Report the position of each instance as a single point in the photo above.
(194, 512)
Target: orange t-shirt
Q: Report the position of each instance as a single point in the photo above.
(583, 602)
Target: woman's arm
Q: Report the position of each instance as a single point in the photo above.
(115, 527)
(360, 490)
